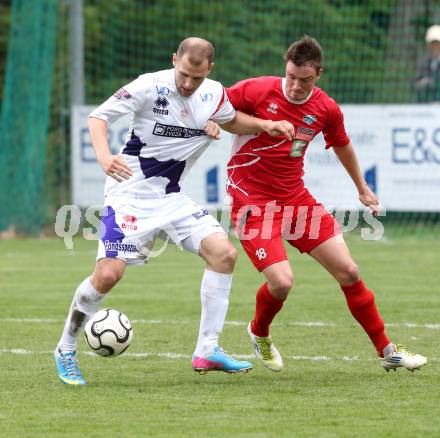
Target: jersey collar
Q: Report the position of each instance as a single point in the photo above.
(295, 102)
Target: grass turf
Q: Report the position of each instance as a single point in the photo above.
(332, 385)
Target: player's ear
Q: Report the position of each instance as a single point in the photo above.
(174, 59)
(320, 72)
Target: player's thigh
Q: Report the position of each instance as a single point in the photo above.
(335, 257)
(127, 231)
(308, 225)
(194, 225)
(261, 240)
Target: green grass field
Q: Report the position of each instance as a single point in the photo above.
(332, 384)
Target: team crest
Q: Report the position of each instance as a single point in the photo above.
(309, 119)
(207, 97)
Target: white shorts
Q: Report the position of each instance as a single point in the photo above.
(130, 226)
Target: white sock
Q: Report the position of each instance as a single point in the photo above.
(85, 304)
(214, 294)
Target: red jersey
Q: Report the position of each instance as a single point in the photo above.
(264, 168)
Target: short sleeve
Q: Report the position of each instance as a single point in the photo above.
(225, 112)
(129, 98)
(242, 96)
(334, 132)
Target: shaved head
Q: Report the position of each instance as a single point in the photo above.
(197, 49)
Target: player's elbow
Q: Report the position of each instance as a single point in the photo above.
(229, 126)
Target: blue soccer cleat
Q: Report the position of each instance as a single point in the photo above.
(219, 361)
(68, 368)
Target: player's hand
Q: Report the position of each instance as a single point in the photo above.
(369, 199)
(116, 167)
(283, 128)
(212, 130)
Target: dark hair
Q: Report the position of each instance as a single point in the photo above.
(198, 49)
(305, 51)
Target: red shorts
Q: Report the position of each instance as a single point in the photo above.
(261, 229)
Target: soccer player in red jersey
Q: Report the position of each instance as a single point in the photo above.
(270, 202)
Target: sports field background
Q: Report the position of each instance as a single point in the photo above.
(372, 49)
(332, 385)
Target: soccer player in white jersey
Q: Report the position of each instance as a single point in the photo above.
(174, 116)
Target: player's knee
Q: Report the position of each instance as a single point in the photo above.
(349, 274)
(228, 256)
(106, 277)
(281, 285)
(219, 254)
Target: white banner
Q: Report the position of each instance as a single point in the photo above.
(88, 178)
(398, 148)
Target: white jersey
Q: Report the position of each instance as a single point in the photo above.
(165, 135)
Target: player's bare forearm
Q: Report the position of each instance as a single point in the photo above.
(99, 135)
(113, 165)
(347, 157)
(244, 124)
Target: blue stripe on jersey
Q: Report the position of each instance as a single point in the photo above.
(170, 169)
(133, 146)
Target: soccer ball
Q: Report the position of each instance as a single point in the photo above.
(108, 333)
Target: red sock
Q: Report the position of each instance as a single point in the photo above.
(266, 309)
(360, 301)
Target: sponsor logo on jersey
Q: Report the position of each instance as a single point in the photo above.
(120, 247)
(176, 131)
(306, 131)
(272, 108)
(122, 93)
(207, 97)
(164, 91)
(161, 103)
(129, 222)
(309, 119)
(130, 218)
(199, 214)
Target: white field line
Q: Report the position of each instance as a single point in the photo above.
(430, 326)
(171, 355)
(180, 356)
